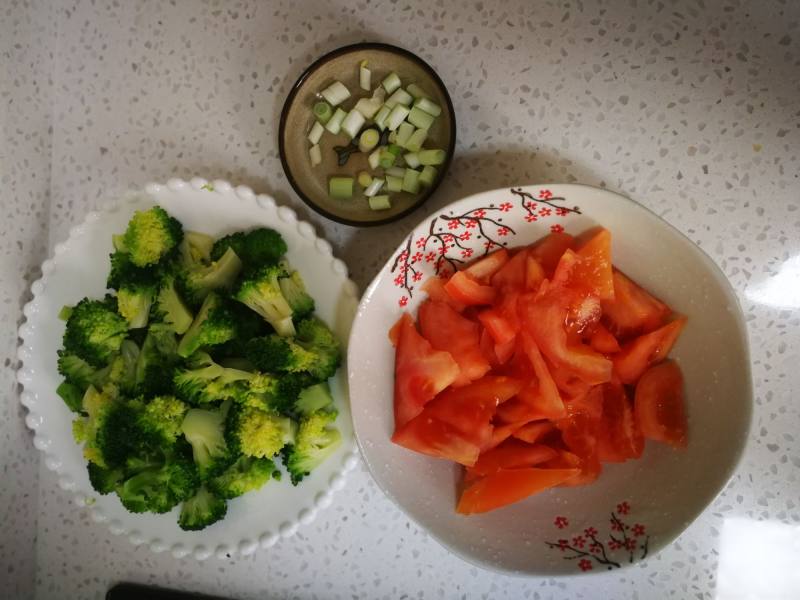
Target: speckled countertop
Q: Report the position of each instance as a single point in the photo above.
(692, 108)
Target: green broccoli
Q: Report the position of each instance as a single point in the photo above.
(315, 442)
(259, 433)
(151, 234)
(160, 421)
(261, 291)
(170, 307)
(159, 488)
(294, 291)
(120, 375)
(78, 372)
(314, 398)
(201, 510)
(136, 288)
(315, 351)
(245, 475)
(205, 431)
(98, 408)
(256, 248)
(157, 360)
(248, 325)
(104, 481)
(195, 249)
(200, 280)
(95, 331)
(212, 325)
(205, 381)
(72, 396)
(273, 392)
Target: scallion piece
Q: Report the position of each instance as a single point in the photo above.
(431, 157)
(398, 115)
(419, 118)
(316, 132)
(352, 123)
(412, 160)
(374, 187)
(322, 111)
(380, 202)
(400, 96)
(315, 154)
(394, 184)
(367, 107)
(386, 159)
(427, 176)
(364, 179)
(411, 181)
(380, 117)
(364, 76)
(374, 158)
(335, 123)
(428, 106)
(340, 187)
(335, 93)
(368, 140)
(392, 137)
(395, 149)
(416, 91)
(395, 171)
(391, 82)
(403, 133)
(414, 143)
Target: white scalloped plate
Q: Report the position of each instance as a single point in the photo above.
(79, 268)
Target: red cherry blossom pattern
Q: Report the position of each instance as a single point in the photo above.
(563, 544)
(416, 258)
(615, 525)
(430, 257)
(489, 245)
(557, 228)
(471, 224)
(531, 218)
(417, 276)
(398, 281)
(502, 232)
(585, 564)
(480, 213)
(623, 508)
(590, 532)
(545, 212)
(465, 236)
(578, 541)
(561, 522)
(454, 224)
(421, 243)
(595, 548)
(403, 301)
(466, 253)
(506, 206)
(630, 544)
(545, 194)
(638, 529)
(561, 211)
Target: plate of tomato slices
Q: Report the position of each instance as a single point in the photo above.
(550, 379)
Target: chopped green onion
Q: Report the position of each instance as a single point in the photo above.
(395, 171)
(322, 111)
(391, 83)
(411, 181)
(367, 107)
(416, 91)
(364, 76)
(335, 123)
(364, 179)
(374, 158)
(380, 118)
(416, 140)
(412, 160)
(394, 184)
(386, 159)
(392, 137)
(316, 132)
(368, 140)
(379, 94)
(380, 203)
(395, 149)
(431, 157)
(315, 154)
(419, 118)
(340, 187)
(352, 123)
(403, 133)
(398, 115)
(65, 313)
(427, 176)
(400, 96)
(335, 93)
(374, 187)
(428, 106)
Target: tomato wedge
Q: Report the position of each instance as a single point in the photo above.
(420, 372)
(603, 340)
(436, 438)
(447, 330)
(633, 310)
(593, 271)
(464, 289)
(646, 350)
(434, 287)
(512, 454)
(500, 433)
(534, 274)
(512, 275)
(501, 329)
(548, 400)
(532, 432)
(619, 438)
(507, 486)
(483, 268)
(548, 250)
(659, 405)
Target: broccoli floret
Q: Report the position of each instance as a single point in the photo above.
(136, 288)
(315, 442)
(99, 408)
(72, 396)
(77, 371)
(170, 307)
(200, 280)
(150, 235)
(274, 392)
(195, 249)
(315, 351)
(212, 325)
(205, 431)
(120, 374)
(256, 248)
(259, 433)
(248, 325)
(161, 419)
(206, 381)
(103, 480)
(202, 510)
(245, 475)
(314, 398)
(95, 331)
(294, 290)
(261, 291)
(159, 488)
(157, 360)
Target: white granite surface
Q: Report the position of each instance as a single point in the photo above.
(691, 108)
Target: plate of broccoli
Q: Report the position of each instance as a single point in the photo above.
(183, 368)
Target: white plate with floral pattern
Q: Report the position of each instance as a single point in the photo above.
(634, 508)
(79, 268)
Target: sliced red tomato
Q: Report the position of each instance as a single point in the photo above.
(603, 340)
(487, 348)
(593, 271)
(394, 332)
(659, 406)
(512, 454)
(534, 274)
(583, 314)
(548, 250)
(434, 287)
(483, 269)
(532, 432)
(447, 330)
(513, 273)
(588, 470)
(518, 411)
(633, 310)
(648, 349)
(505, 351)
(590, 403)
(437, 438)
(619, 438)
(500, 433)
(507, 486)
(465, 289)
(548, 400)
(501, 329)
(570, 386)
(420, 372)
